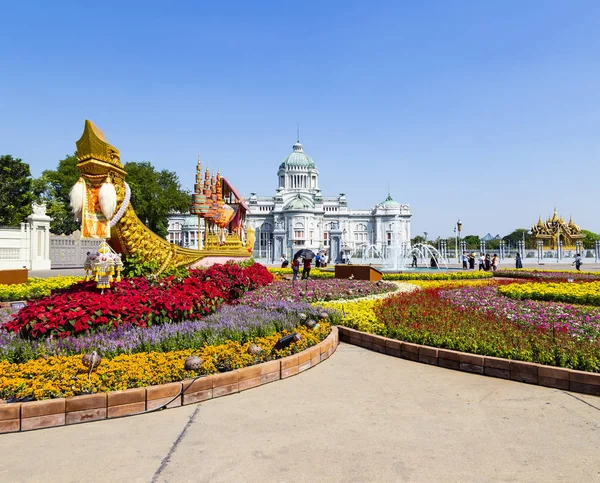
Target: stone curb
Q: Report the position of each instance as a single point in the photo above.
(548, 376)
(49, 413)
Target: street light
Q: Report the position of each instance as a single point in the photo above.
(458, 227)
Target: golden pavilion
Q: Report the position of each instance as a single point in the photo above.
(555, 228)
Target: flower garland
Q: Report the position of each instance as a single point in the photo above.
(123, 207)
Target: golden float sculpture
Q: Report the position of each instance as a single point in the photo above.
(554, 229)
(101, 201)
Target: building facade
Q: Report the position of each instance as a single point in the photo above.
(299, 216)
(182, 230)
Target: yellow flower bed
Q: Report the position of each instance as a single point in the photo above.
(453, 283)
(576, 293)
(315, 273)
(544, 270)
(357, 314)
(54, 377)
(36, 287)
(438, 275)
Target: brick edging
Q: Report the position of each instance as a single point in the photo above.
(48, 413)
(549, 376)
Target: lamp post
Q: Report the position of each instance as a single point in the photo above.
(458, 227)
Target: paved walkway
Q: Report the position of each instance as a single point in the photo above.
(358, 417)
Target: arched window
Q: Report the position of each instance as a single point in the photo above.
(298, 231)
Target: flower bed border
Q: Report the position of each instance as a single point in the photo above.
(15, 417)
(529, 372)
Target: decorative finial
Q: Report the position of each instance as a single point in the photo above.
(298, 132)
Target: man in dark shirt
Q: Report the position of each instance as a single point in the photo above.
(306, 269)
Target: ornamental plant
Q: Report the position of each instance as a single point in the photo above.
(428, 317)
(64, 376)
(360, 313)
(581, 323)
(315, 290)
(137, 301)
(231, 322)
(36, 287)
(547, 275)
(315, 273)
(575, 293)
(438, 275)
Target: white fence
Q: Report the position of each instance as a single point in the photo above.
(27, 246)
(14, 248)
(70, 251)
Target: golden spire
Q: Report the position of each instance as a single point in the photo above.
(92, 145)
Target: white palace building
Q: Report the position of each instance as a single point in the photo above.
(299, 216)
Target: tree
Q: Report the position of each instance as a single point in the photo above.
(15, 190)
(417, 239)
(472, 242)
(154, 194)
(493, 244)
(54, 188)
(590, 239)
(517, 235)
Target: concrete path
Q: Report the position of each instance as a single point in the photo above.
(358, 417)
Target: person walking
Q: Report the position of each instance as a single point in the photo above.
(295, 268)
(306, 270)
(577, 262)
(318, 261)
(482, 262)
(518, 261)
(414, 260)
(464, 260)
(495, 262)
(488, 263)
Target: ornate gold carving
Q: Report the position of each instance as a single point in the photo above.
(555, 228)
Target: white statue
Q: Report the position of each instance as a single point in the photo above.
(38, 209)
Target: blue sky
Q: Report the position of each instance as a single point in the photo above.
(487, 111)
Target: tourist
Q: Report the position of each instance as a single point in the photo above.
(306, 269)
(577, 262)
(488, 263)
(318, 261)
(472, 261)
(414, 260)
(295, 268)
(482, 262)
(433, 262)
(324, 260)
(284, 261)
(464, 260)
(519, 263)
(495, 262)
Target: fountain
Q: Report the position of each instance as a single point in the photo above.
(402, 257)
(371, 252)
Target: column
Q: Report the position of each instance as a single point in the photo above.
(335, 251)
(39, 238)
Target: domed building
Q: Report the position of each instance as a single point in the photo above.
(299, 216)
